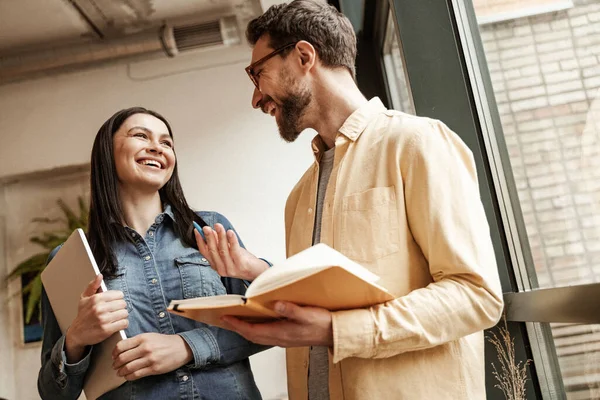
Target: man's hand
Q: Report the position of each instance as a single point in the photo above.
(226, 256)
(302, 326)
(150, 354)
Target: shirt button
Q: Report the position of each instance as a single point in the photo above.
(203, 259)
(153, 281)
(151, 234)
(132, 234)
(185, 378)
(147, 258)
(162, 314)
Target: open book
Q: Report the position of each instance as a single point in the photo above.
(318, 276)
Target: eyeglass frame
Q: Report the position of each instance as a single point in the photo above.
(250, 68)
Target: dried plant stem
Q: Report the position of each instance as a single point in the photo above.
(512, 375)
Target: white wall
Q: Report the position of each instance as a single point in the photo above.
(231, 158)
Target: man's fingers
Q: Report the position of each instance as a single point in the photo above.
(289, 310)
(257, 333)
(242, 327)
(93, 286)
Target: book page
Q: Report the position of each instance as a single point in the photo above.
(224, 300)
(306, 263)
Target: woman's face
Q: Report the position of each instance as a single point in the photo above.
(144, 153)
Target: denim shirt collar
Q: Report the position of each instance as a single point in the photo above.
(167, 210)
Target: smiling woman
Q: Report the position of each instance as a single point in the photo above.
(144, 153)
(140, 231)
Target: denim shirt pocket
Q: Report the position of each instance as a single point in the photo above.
(198, 279)
(119, 282)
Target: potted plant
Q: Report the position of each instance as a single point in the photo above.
(30, 269)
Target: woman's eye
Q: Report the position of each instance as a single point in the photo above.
(168, 144)
(140, 134)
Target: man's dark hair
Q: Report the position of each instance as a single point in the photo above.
(320, 24)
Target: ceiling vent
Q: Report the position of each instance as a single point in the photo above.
(166, 41)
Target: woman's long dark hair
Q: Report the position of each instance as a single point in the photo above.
(105, 202)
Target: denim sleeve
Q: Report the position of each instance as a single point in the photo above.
(57, 379)
(212, 346)
(216, 347)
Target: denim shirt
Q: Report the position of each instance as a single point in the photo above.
(152, 271)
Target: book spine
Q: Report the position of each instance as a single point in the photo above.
(261, 308)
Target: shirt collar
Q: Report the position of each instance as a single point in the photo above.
(354, 125)
(167, 210)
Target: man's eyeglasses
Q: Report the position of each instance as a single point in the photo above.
(250, 68)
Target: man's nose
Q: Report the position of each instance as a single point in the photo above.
(256, 98)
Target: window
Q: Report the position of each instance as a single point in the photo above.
(394, 69)
(490, 11)
(545, 73)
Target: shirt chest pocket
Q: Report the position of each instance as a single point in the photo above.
(369, 224)
(198, 279)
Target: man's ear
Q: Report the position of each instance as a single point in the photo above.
(308, 54)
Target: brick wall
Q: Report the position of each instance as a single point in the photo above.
(545, 71)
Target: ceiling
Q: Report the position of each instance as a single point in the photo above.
(26, 24)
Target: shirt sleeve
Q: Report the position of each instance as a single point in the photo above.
(57, 378)
(447, 221)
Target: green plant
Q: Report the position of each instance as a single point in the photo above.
(512, 376)
(34, 265)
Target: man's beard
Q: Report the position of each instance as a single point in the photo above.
(293, 107)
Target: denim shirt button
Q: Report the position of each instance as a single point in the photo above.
(151, 234)
(203, 259)
(153, 281)
(185, 378)
(162, 314)
(147, 258)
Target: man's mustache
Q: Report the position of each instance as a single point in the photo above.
(263, 103)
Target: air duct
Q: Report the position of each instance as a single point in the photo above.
(166, 41)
